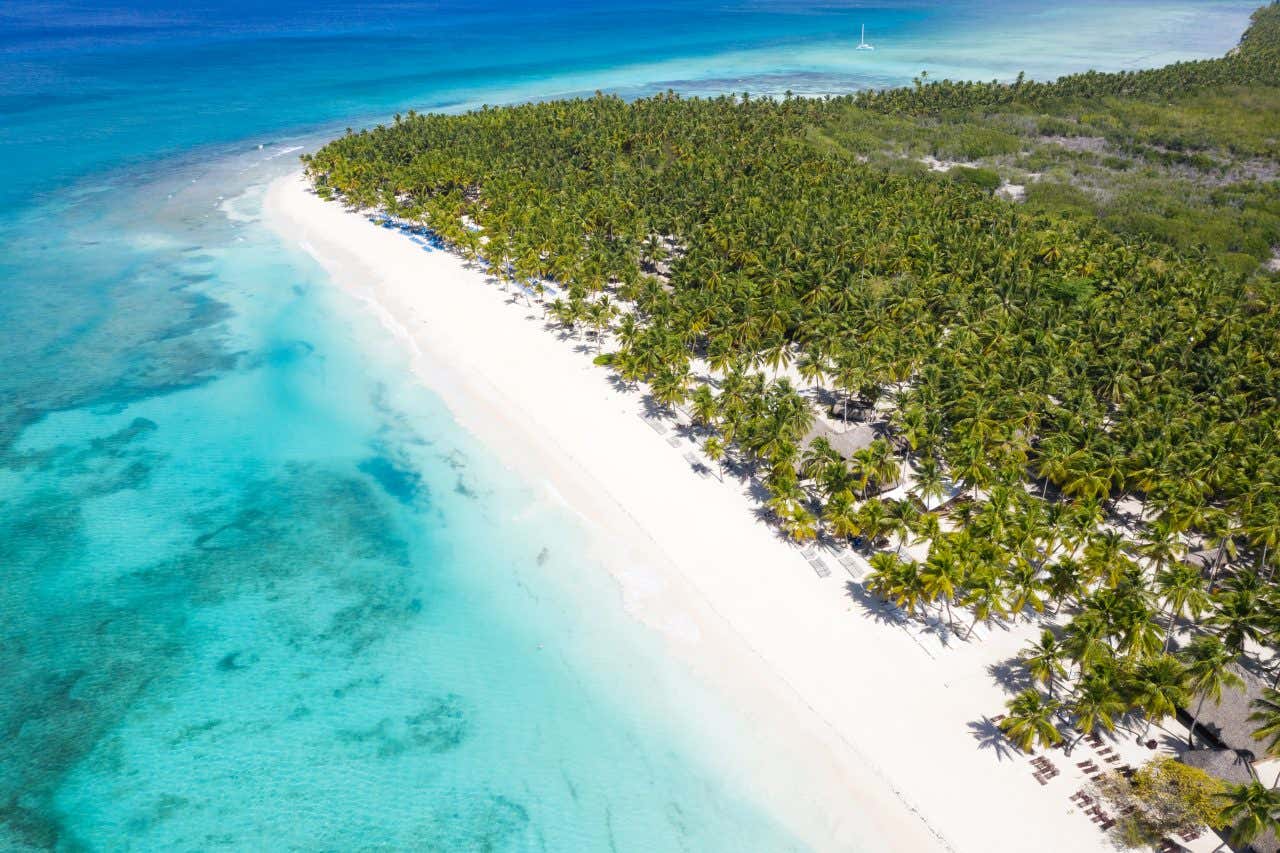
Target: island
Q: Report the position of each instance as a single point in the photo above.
(1000, 362)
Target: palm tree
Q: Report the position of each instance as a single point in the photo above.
(703, 406)
(928, 481)
(1266, 711)
(1250, 810)
(800, 524)
(942, 575)
(984, 593)
(1159, 688)
(1182, 588)
(1043, 659)
(897, 580)
(1030, 720)
(817, 457)
(873, 519)
(903, 517)
(1238, 617)
(1209, 669)
(1096, 703)
(841, 516)
(715, 450)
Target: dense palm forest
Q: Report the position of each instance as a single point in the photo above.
(1092, 392)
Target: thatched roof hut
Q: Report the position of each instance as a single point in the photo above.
(845, 442)
(1234, 769)
(1224, 764)
(1227, 722)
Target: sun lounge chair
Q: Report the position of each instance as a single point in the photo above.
(658, 426)
(819, 568)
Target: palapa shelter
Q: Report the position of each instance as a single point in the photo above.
(1227, 722)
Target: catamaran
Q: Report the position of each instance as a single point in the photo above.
(862, 42)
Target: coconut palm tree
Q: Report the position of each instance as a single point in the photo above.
(903, 518)
(1030, 720)
(840, 515)
(942, 574)
(1158, 687)
(1043, 659)
(1266, 712)
(715, 450)
(703, 406)
(984, 594)
(1096, 703)
(1209, 669)
(1250, 810)
(928, 482)
(1238, 618)
(1181, 586)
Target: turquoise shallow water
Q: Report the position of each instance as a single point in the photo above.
(260, 591)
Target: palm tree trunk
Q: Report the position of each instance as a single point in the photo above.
(1194, 720)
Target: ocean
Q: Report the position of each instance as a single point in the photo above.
(261, 592)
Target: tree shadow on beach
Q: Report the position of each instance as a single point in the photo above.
(654, 409)
(988, 735)
(1011, 675)
(758, 492)
(876, 608)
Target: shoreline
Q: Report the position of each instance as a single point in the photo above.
(792, 652)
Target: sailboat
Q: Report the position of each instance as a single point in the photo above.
(862, 43)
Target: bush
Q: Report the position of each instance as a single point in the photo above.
(1054, 197)
(987, 179)
(1166, 796)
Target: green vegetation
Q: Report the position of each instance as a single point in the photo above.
(1164, 798)
(1251, 810)
(1096, 370)
(1198, 174)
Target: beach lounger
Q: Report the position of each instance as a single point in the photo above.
(658, 426)
(674, 440)
(696, 464)
(819, 568)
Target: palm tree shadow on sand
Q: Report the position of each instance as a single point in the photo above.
(877, 609)
(1011, 675)
(988, 735)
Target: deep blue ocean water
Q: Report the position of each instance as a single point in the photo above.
(260, 592)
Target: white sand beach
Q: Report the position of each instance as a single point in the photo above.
(881, 732)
